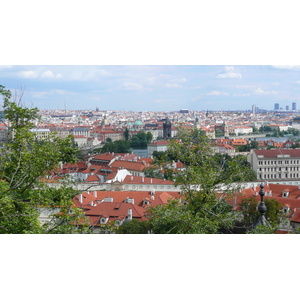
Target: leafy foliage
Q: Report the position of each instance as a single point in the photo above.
(134, 227)
(251, 214)
(24, 162)
(141, 140)
(117, 147)
(206, 182)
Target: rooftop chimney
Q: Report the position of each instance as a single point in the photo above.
(129, 214)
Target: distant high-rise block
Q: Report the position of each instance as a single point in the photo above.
(276, 106)
(184, 111)
(254, 109)
(287, 107)
(294, 107)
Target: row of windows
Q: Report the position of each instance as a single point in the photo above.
(147, 187)
(278, 162)
(278, 176)
(278, 169)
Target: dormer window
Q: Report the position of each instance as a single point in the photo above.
(285, 194)
(103, 220)
(286, 209)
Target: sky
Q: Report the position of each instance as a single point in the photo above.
(154, 87)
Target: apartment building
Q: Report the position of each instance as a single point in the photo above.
(281, 164)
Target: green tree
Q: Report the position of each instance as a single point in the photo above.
(141, 140)
(205, 183)
(250, 213)
(119, 146)
(219, 133)
(134, 227)
(126, 134)
(153, 172)
(149, 137)
(24, 163)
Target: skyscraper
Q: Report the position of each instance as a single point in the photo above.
(254, 109)
(276, 106)
(294, 106)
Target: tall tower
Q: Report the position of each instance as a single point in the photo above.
(294, 107)
(254, 109)
(167, 129)
(276, 106)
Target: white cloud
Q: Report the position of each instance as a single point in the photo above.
(50, 75)
(260, 91)
(229, 68)
(86, 73)
(217, 93)
(33, 74)
(230, 72)
(28, 74)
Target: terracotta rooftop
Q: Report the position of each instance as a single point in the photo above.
(272, 153)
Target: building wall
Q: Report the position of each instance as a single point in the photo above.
(278, 168)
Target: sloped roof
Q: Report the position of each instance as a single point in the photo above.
(92, 178)
(145, 180)
(272, 153)
(296, 216)
(129, 165)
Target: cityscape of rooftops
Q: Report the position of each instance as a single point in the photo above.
(155, 88)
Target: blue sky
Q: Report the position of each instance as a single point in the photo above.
(154, 87)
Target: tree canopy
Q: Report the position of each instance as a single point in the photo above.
(206, 183)
(25, 163)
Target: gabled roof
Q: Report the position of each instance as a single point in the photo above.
(92, 178)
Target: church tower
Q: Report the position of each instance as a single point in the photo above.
(167, 129)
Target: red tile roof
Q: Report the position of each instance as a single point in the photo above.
(130, 165)
(296, 216)
(272, 153)
(92, 178)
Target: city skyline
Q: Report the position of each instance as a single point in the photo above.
(154, 87)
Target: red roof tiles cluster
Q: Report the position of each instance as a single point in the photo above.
(274, 152)
(114, 205)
